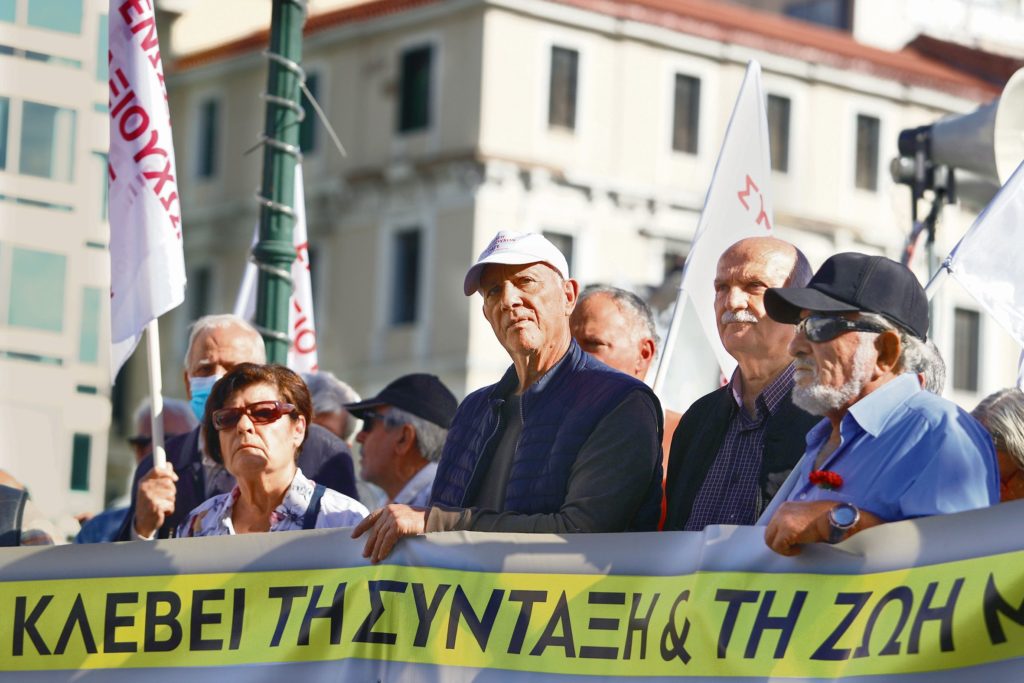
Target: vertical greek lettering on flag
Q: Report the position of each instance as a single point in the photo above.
(302, 354)
(147, 263)
(987, 260)
(737, 205)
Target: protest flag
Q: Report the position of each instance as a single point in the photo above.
(737, 205)
(302, 355)
(147, 262)
(986, 260)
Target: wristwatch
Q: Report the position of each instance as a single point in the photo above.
(841, 519)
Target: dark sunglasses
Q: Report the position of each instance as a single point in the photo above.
(369, 420)
(140, 441)
(261, 413)
(824, 328)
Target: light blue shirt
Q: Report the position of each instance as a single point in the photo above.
(903, 453)
(416, 491)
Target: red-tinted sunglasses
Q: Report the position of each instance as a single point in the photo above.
(261, 413)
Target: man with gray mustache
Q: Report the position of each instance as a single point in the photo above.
(887, 449)
(735, 446)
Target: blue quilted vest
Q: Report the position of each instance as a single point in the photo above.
(560, 411)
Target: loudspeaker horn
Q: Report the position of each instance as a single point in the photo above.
(990, 140)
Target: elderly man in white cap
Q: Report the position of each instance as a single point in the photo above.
(561, 444)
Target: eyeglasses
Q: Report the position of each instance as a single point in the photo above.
(371, 419)
(140, 441)
(261, 413)
(823, 328)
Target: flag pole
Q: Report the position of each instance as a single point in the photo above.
(156, 399)
(670, 341)
(274, 253)
(936, 281)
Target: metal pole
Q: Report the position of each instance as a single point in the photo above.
(274, 253)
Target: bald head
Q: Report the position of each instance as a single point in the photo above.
(777, 256)
(745, 270)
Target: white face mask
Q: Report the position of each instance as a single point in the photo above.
(200, 388)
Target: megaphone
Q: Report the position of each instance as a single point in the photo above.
(988, 142)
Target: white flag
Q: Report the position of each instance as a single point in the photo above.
(302, 356)
(987, 260)
(737, 205)
(147, 263)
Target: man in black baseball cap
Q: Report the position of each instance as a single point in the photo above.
(887, 450)
(404, 428)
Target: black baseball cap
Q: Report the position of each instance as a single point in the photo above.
(852, 282)
(420, 394)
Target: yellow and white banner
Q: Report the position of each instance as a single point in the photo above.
(937, 599)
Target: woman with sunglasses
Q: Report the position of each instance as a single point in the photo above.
(255, 424)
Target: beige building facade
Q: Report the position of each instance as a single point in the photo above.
(596, 123)
(55, 408)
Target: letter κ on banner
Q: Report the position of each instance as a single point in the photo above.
(737, 205)
(302, 355)
(987, 260)
(147, 263)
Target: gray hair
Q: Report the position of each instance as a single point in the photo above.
(330, 395)
(629, 302)
(923, 358)
(220, 321)
(177, 414)
(915, 354)
(429, 436)
(1002, 414)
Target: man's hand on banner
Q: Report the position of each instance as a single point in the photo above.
(797, 523)
(154, 500)
(387, 525)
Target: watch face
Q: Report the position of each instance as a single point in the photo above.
(844, 514)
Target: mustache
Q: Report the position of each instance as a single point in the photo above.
(739, 317)
(805, 364)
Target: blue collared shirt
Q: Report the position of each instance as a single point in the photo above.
(903, 453)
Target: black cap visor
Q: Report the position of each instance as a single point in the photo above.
(363, 408)
(784, 304)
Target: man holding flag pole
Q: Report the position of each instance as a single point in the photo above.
(734, 446)
(737, 205)
(147, 264)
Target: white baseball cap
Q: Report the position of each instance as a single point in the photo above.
(513, 248)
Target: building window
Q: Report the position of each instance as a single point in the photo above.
(405, 289)
(47, 141)
(104, 177)
(867, 152)
(5, 108)
(837, 14)
(778, 131)
(209, 125)
(307, 129)
(966, 349)
(37, 290)
(199, 292)
(101, 48)
(562, 96)
(565, 244)
(414, 89)
(89, 336)
(8, 10)
(686, 114)
(56, 15)
(81, 444)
